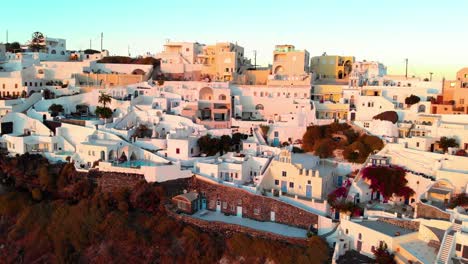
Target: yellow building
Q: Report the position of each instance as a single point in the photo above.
(327, 92)
(454, 98)
(331, 66)
(223, 61)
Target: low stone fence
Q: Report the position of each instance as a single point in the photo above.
(428, 211)
(406, 224)
(229, 229)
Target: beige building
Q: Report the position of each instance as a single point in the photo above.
(289, 61)
(222, 61)
(302, 175)
(331, 66)
(179, 60)
(290, 66)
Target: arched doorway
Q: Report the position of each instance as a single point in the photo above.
(206, 93)
(103, 155)
(133, 156)
(340, 75)
(111, 155)
(279, 69)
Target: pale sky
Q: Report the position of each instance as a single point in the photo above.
(433, 35)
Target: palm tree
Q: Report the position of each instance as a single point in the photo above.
(104, 99)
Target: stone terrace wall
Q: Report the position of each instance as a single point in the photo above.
(427, 211)
(406, 224)
(228, 229)
(111, 181)
(253, 206)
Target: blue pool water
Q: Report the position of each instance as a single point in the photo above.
(87, 118)
(137, 163)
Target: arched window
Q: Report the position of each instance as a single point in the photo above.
(259, 107)
(222, 97)
(53, 52)
(421, 108)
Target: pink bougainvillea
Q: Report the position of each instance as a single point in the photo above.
(388, 181)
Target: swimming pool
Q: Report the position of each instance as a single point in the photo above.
(86, 118)
(136, 163)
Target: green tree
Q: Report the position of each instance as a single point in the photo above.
(225, 143)
(13, 47)
(412, 99)
(382, 255)
(55, 109)
(446, 143)
(104, 99)
(37, 41)
(103, 112)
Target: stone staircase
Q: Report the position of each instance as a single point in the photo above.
(446, 248)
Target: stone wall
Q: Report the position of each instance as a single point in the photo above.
(228, 229)
(426, 211)
(253, 206)
(111, 181)
(406, 224)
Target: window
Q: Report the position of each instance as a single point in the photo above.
(347, 231)
(366, 124)
(360, 236)
(276, 134)
(276, 182)
(284, 173)
(458, 247)
(177, 150)
(308, 182)
(16, 85)
(291, 185)
(25, 83)
(462, 101)
(395, 98)
(417, 144)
